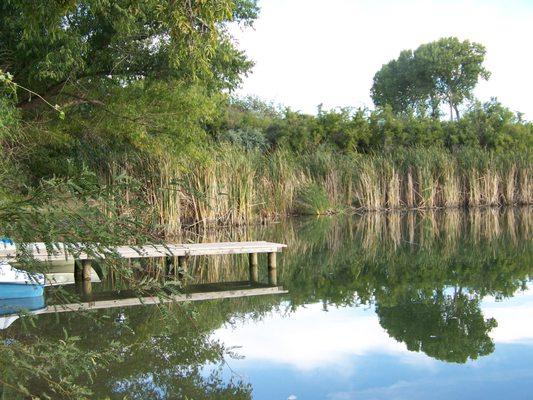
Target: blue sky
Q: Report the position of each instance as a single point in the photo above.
(309, 52)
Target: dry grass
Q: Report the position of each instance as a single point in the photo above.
(228, 186)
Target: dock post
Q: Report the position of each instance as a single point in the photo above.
(182, 264)
(254, 267)
(86, 277)
(175, 266)
(272, 269)
(86, 270)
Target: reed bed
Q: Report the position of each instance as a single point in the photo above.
(226, 185)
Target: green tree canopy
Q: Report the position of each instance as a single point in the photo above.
(442, 72)
(50, 45)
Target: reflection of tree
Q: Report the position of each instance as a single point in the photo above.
(155, 353)
(166, 358)
(446, 327)
(405, 277)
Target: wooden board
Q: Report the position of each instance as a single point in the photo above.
(60, 251)
(137, 301)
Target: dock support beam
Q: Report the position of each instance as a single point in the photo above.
(86, 270)
(254, 267)
(182, 266)
(86, 274)
(272, 269)
(82, 276)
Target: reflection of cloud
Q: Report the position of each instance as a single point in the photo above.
(312, 338)
(488, 385)
(514, 316)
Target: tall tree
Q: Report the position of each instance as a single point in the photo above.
(398, 85)
(50, 45)
(453, 68)
(442, 72)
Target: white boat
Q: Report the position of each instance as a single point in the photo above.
(17, 284)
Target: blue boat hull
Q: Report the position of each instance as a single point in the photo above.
(14, 306)
(20, 291)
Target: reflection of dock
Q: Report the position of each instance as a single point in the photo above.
(218, 291)
(177, 298)
(82, 256)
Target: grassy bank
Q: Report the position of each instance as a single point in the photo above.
(227, 185)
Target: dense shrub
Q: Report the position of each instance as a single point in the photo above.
(489, 126)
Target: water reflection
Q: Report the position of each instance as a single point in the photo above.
(446, 327)
(352, 357)
(380, 306)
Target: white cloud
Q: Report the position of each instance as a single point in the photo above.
(514, 316)
(316, 51)
(310, 339)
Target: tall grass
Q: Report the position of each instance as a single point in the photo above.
(227, 185)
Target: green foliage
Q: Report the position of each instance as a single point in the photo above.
(489, 125)
(312, 199)
(493, 126)
(9, 115)
(444, 71)
(144, 119)
(248, 139)
(116, 77)
(47, 45)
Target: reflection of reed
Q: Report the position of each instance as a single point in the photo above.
(375, 234)
(478, 225)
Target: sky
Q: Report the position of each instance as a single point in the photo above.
(311, 52)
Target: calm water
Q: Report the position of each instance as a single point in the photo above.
(379, 307)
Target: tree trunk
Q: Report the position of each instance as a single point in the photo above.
(452, 104)
(451, 110)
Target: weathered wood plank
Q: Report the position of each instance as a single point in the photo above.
(60, 251)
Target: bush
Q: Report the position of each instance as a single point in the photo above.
(249, 138)
(312, 199)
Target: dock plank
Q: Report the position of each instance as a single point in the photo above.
(60, 251)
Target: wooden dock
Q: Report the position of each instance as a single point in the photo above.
(84, 254)
(60, 251)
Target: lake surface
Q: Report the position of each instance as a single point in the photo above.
(397, 306)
